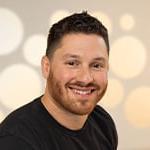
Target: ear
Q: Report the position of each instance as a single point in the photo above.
(45, 66)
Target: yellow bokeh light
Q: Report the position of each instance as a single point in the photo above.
(127, 22)
(114, 94)
(128, 57)
(19, 84)
(137, 107)
(34, 48)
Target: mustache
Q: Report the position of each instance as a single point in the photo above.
(83, 84)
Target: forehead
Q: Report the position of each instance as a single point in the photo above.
(80, 44)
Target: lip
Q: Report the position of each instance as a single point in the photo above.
(82, 88)
(82, 91)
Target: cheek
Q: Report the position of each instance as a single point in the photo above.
(64, 75)
(101, 78)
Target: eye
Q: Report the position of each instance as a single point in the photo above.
(72, 63)
(97, 66)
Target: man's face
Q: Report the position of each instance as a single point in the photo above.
(78, 73)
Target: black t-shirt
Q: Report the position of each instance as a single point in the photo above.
(31, 127)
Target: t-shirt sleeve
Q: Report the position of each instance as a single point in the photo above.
(13, 143)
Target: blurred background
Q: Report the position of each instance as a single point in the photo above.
(24, 26)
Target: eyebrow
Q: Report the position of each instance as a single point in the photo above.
(71, 55)
(99, 59)
(77, 56)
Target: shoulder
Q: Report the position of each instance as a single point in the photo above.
(19, 116)
(20, 124)
(13, 143)
(104, 121)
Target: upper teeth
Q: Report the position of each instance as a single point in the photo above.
(82, 92)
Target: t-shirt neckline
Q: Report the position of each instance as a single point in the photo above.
(53, 123)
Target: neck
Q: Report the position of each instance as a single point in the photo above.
(65, 118)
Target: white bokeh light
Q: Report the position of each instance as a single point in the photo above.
(104, 19)
(34, 48)
(114, 94)
(127, 22)
(19, 84)
(137, 107)
(11, 31)
(128, 57)
(57, 15)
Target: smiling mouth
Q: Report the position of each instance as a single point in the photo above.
(82, 91)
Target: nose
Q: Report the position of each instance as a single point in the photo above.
(85, 75)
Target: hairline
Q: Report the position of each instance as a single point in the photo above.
(58, 43)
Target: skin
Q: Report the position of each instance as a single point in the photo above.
(76, 78)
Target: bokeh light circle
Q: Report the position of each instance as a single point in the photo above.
(114, 94)
(11, 31)
(19, 84)
(104, 19)
(137, 107)
(128, 57)
(34, 48)
(57, 15)
(127, 22)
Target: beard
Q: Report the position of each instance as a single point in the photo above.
(61, 97)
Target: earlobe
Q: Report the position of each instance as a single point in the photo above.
(45, 66)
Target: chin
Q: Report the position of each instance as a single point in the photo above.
(83, 110)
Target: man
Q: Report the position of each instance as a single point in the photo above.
(66, 117)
